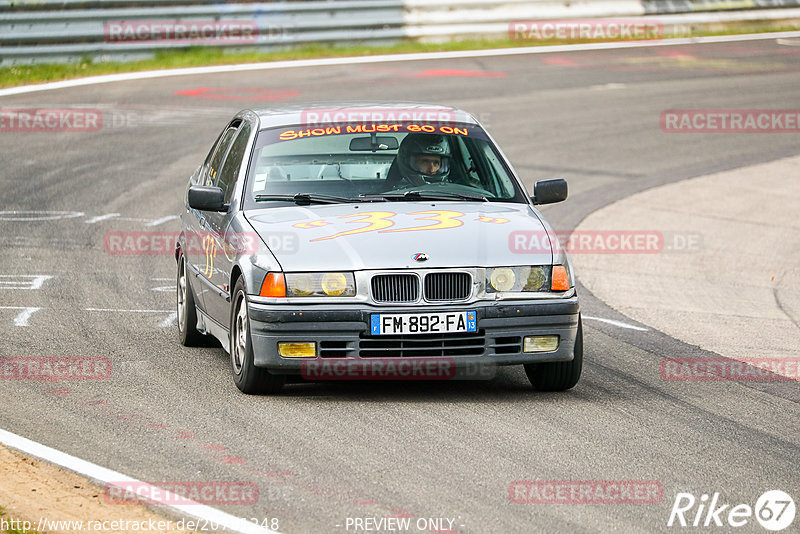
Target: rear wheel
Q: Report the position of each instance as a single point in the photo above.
(248, 377)
(187, 311)
(558, 376)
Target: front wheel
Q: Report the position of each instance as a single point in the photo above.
(247, 377)
(558, 376)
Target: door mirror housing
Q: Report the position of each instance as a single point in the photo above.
(549, 191)
(206, 198)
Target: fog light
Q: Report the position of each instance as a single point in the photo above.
(540, 344)
(297, 350)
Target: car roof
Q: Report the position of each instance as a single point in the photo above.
(301, 113)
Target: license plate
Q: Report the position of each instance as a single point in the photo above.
(423, 323)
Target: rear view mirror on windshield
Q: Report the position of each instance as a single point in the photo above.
(373, 143)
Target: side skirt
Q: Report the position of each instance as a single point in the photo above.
(207, 325)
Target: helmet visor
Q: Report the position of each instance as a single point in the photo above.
(430, 164)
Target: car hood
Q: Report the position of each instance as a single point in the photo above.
(466, 234)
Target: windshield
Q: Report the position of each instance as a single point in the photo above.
(399, 161)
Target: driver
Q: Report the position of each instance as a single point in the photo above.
(423, 158)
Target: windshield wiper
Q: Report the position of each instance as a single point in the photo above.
(308, 198)
(431, 195)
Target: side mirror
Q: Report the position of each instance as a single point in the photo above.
(549, 191)
(207, 198)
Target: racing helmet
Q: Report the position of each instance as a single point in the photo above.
(415, 145)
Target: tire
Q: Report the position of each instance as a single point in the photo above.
(186, 308)
(247, 377)
(558, 376)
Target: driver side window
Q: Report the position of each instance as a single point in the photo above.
(226, 179)
(219, 155)
(212, 164)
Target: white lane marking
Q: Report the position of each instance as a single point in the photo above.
(163, 324)
(162, 220)
(101, 218)
(24, 316)
(109, 78)
(106, 476)
(169, 320)
(788, 42)
(38, 215)
(121, 310)
(168, 279)
(24, 281)
(606, 86)
(85, 166)
(163, 289)
(134, 219)
(616, 323)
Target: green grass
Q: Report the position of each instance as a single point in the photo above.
(203, 56)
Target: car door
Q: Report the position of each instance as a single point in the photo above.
(192, 224)
(201, 249)
(227, 240)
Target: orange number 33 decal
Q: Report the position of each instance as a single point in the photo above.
(444, 219)
(376, 220)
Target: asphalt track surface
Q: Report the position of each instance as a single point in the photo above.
(321, 453)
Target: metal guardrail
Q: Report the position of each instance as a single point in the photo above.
(661, 7)
(61, 35)
(66, 30)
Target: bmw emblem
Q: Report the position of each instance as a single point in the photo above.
(420, 256)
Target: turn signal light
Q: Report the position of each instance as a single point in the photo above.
(560, 279)
(274, 285)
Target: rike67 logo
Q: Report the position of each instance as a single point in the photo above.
(774, 510)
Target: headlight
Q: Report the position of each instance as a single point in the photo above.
(502, 279)
(536, 279)
(320, 285)
(301, 285)
(334, 284)
(517, 279)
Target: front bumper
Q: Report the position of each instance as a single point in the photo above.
(342, 331)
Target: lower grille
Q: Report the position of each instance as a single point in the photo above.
(334, 349)
(421, 346)
(507, 345)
